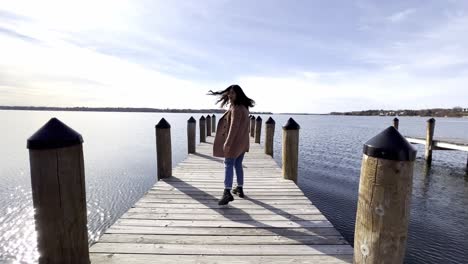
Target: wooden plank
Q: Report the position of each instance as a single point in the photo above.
(244, 224)
(197, 259)
(233, 250)
(214, 201)
(218, 192)
(226, 231)
(193, 179)
(216, 206)
(416, 140)
(207, 196)
(450, 146)
(220, 189)
(223, 240)
(227, 211)
(443, 145)
(217, 217)
(220, 185)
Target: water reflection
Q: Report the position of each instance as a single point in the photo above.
(426, 176)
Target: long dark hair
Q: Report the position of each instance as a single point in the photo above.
(241, 98)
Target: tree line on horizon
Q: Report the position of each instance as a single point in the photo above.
(434, 112)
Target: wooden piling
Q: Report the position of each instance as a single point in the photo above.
(396, 123)
(384, 199)
(202, 129)
(208, 126)
(252, 126)
(429, 140)
(258, 129)
(59, 193)
(191, 135)
(164, 149)
(290, 150)
(269, 136)
(213, 123)
(466, 168)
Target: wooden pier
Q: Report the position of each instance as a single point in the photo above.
(441, 144)
(179, 220)
(431, 144)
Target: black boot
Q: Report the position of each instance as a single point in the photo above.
(227, 197)
(239, 191)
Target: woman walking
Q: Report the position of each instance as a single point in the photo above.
(232, 138)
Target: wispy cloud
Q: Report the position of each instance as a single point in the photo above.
(401, 16)
(18, 35)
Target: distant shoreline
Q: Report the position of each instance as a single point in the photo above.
(118, 109)
(432, 112)
(437, 112)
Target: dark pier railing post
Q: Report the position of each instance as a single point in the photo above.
(252, 126)
(258, 129)
(164, 149)
(396, 123)
(429, 140)
(208, 126)
(202, 129)
(59, 193)
(191, 135)
(269, 136)
(213, 123)
(290, 150)
(384, 199)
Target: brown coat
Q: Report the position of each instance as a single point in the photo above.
(232, 133)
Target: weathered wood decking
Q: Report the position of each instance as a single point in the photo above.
(179, 220)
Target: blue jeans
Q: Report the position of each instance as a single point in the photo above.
(229, 165)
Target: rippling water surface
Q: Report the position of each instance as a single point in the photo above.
(120, 165)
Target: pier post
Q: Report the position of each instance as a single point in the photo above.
(384, 199)
(59, 193)
(191, 135)
(164, 149)
(466, 168)
(269, 136)
(429, 140)
(396, 123)
(252, 126)
(213, 123)
(258, 129)
(290, 150)
(202, 129)
(208, 126)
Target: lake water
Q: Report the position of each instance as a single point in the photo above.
(120, 165)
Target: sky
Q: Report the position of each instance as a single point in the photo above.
(289, 56)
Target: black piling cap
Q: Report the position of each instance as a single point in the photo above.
(208, 117)
(202, 118)
(395, 119)
(270, 121)
(259, 118)
(213, 115)
(54, 134)
(431, 120)
(163, 124)
(252, 117)
(191, 120)
(291, 125)
(390, 145)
